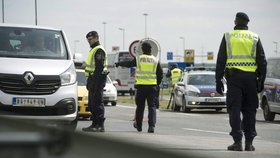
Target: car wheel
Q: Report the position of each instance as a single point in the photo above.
(114, 103)
(184, 106)
(175, 106)
(268, 116)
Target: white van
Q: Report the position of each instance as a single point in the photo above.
(123, 76)
(37, 75)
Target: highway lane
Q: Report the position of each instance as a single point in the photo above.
(199, 132)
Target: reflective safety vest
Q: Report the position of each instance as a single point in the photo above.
(146, 66)
(175, 75)
(90, 64)
(241, 50)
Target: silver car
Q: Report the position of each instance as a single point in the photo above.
(197, 90)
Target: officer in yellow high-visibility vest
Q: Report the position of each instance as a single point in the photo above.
(96, 71)
(241, 60)
(174, 73)
(148, 76)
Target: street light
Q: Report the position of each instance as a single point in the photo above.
(276, 49)
(183, 38)
(145, 14)
(104, 23)
(123, 30)
(3, 19)
(75, 46)
(36, 22)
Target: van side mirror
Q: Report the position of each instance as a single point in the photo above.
(115, 83)
(78, 59)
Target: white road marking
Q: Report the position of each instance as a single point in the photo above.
(187, 114)
(206, 131)
(125, 106)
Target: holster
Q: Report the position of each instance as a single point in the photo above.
(229, 73)
(90, 83)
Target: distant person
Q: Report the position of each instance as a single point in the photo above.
(148, 76)
(241, 60)
(96, 71)
(174, 73)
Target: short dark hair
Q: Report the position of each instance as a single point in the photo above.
(146, 47)
(241, 18)
(92, 34)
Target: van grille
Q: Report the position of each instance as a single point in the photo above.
(41, 84)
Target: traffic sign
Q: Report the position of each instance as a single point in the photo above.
(189, 55)
(169, 55)
(133, 47)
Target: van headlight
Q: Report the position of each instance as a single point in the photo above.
(69, 76)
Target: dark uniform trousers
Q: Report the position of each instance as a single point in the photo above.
(242, 97)
(95, 103)
(146, 93)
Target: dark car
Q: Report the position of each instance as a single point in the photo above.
(270, 96)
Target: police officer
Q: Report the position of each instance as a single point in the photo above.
(175, 73)
(96, 71)
(241, 60)
(148, 76)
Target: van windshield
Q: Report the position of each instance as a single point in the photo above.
(17, 42)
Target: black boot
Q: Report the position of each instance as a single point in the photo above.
(236, 146)
(249, 146)
(138, 127)
(151, 129)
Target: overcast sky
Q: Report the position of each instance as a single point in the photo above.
(201, 22)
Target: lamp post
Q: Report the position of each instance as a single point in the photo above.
(36, 22)
(145, 14)
(276, 49)
(3, 19)
(183, 39)
(104, 23)
(123, 30)
(75, 45)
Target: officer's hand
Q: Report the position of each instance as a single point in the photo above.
(220, 87)
(117, 64)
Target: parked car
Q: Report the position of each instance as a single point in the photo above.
(197, 90)
(37, 76)
(109, 95)
(270, 96)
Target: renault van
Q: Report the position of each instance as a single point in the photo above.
(37, 75)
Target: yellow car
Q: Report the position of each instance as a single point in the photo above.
(109, 94)
(83, 110)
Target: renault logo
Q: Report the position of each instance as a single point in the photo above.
(28, 78)
(212, 94)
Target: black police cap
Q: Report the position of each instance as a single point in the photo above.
(92, 34)
(242, 16)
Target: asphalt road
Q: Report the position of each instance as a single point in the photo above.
(203, 133)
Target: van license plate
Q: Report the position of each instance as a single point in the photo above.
(34, 102)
